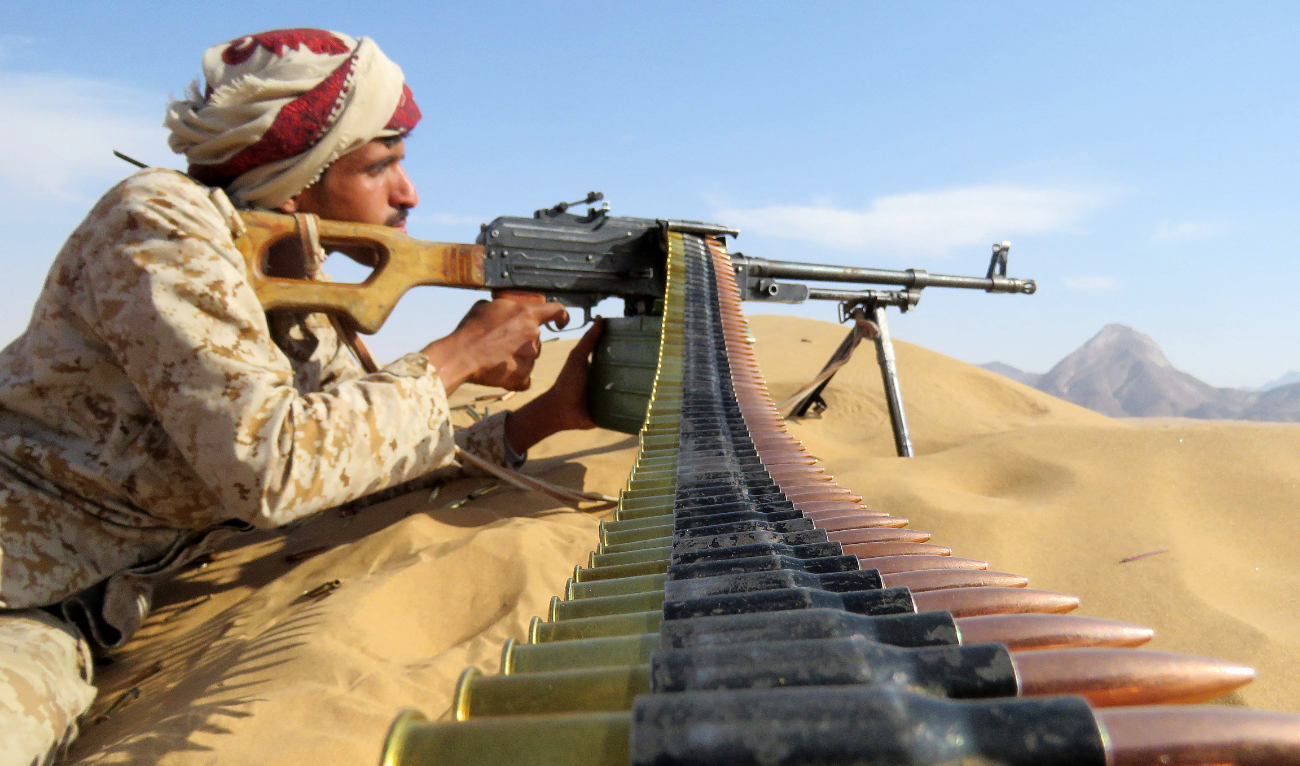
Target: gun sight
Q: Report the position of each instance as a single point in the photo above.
(560, 207)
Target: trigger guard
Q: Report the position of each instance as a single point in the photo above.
(586, 320)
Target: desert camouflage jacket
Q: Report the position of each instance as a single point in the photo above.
(151, 407)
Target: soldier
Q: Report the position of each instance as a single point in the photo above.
(152, 408)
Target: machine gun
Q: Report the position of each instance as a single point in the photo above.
(580, 259)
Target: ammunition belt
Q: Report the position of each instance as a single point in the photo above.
(743, 609)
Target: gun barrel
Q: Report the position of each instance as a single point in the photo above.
(915, 278)
(903, 299)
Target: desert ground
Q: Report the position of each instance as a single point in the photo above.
(1188, 527)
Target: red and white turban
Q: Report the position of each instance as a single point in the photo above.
(281, 106)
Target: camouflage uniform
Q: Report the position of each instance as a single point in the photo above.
(45, 674)
(152, 408)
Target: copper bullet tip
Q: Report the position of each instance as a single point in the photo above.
(942, 579)
(1205, 734)
(893, 564)
(863, 521)
(1024, 632)
(970, 602)
(878, 550)
(879, 535)
(1114, 677)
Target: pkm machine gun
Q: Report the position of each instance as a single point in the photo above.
(577, 259)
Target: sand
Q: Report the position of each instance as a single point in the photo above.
(237, 665)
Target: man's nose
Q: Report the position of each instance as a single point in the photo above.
(403, 192)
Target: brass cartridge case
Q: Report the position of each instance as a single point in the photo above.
(622, 525)
(611, 688)
(638, 556)
(591, 739)
(638, 507)
(641, 584)
(615, 571)
(634, 623)
(604, 605)
(634, 546)
(651, 483)
(578, 653)
(641, 535)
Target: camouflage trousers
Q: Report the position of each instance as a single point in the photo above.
(45, 685)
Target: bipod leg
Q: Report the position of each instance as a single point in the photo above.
(811, 394)
(889, 375)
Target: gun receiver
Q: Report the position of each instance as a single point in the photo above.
(577, 260)
(580, 260)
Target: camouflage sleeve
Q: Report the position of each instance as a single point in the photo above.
(487, 439)
(169, 298)
(45, 685)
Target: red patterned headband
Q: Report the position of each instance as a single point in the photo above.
(280, 106)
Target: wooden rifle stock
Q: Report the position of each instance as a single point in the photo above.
(400, 262)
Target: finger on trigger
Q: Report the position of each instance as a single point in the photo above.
(552, 311)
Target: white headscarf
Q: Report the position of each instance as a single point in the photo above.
(281, 106)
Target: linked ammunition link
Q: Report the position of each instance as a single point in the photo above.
(742, 608)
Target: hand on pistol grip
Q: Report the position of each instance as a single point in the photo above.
(524, 296)
(567, 397)
(507, 340)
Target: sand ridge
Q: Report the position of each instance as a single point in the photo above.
(237, 664)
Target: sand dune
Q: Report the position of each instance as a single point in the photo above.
(237, 665)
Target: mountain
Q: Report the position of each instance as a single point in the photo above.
(1281, 403)
(1015, 373)
(1122, 373)
(1288, 377)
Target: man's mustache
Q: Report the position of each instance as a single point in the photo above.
(398, 218)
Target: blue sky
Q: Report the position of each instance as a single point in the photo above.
(1142, 158)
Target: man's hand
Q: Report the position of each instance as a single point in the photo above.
(561, 407)
(495, 344)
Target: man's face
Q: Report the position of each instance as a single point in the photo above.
(367, 185)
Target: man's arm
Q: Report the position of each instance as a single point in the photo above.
(165, 292)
